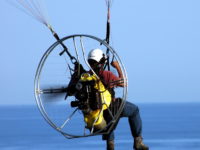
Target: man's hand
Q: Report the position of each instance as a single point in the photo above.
(115, 64)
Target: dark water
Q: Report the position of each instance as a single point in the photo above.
(165, 127)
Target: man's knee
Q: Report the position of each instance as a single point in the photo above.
(130, 109)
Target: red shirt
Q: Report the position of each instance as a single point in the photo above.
(108, 77)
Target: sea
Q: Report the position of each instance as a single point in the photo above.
(166, 126)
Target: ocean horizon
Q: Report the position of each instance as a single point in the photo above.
(166, 126)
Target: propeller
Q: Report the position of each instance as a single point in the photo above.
(53, 93)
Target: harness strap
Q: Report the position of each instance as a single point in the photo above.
(73, 59)
(108, 36)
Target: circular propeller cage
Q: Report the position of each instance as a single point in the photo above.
(53, 76)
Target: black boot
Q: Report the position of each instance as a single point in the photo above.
(110, 145)
(139, 145)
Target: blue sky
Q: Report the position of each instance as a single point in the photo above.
(158, 42)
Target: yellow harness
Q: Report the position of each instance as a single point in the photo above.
(95, 118)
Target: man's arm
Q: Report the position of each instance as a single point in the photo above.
(116, 65)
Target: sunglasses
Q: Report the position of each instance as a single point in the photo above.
(92, 62)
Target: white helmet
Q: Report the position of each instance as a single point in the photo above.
(96, 54)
